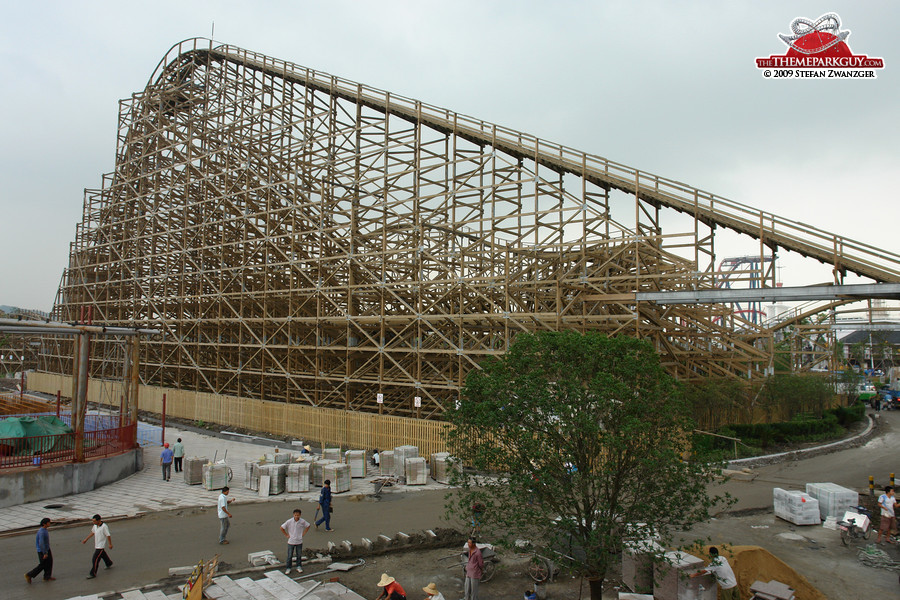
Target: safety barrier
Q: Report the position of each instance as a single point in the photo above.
(60, 448)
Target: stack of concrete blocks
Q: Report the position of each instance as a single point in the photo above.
(277, 477)
(251, 475)
(193, 469)
(796, 507)
(387, 462)
(282, 458)
(672, 581)
(331, 454)
(357, 461)
(401, 455)
(834, 500)
(416, 471)
(637, 564)
(339, 475)
(297, 477)
(215, 477)
(443, 466)
(317, 472)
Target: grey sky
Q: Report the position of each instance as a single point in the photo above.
(667, 87)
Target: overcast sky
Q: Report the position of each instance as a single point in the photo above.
(667, 87)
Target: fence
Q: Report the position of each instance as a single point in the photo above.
(60, 448)
(326, 426)
(147, 434)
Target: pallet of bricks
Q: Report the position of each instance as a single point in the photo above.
(193, 469)
(443, 467)
(796, 507)
(401, 455)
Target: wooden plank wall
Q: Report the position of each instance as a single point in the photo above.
(325, 426)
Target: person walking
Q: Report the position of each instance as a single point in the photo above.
(391, 590)
(165, 459)
(224, 515)
(45, 557)
(723, 574)
(887, 503)
(100, 531)
(474, 570)
(325, 506)
(294, 529)
(178, 455)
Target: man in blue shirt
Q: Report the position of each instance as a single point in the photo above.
(165, 459)
(42, 542)
(325, 505)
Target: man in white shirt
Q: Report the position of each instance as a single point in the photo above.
(886, 502)
(101, 539)
(723, 574)
(294, 529)
(224, 515)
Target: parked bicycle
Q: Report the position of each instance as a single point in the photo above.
(851, 530)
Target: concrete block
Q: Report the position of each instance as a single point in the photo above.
(431, 534)
(367, 543)
(264, 557)
(347, 545)
(331, 546)
(401, 537)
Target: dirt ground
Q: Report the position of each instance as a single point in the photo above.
(416, 569)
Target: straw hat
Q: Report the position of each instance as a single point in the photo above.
(307, 448)
(430, 589)
(386, 580)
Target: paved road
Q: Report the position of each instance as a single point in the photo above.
(146, 547)
(879, 457)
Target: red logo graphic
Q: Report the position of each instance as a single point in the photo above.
(819, 45)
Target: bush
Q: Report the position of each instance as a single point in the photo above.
(849, 414)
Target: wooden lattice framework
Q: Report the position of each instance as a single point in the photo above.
(304, 238)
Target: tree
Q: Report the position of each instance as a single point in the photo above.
(577, 443)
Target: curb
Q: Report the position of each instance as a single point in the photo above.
(771, 459)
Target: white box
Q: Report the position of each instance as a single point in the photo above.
(861, 521)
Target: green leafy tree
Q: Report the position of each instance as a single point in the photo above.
(576, 442)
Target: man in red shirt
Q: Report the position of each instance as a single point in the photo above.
(474, 571)
(392, 589)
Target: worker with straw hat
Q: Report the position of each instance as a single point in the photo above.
(392, 590)
(432, 591)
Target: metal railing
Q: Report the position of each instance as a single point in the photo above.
(42, 450)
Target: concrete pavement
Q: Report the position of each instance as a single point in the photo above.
(146, 492)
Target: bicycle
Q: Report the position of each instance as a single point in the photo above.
(850, 530)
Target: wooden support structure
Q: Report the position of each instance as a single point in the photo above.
(303, 238)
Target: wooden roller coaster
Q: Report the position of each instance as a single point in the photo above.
(304, 238)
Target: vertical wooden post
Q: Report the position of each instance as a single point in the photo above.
(79, 402)
(58, 394)
(134, 381)
(164, 420)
